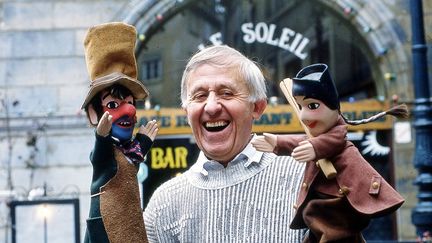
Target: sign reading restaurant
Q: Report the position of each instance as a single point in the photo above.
(276, 119)
(269, 34)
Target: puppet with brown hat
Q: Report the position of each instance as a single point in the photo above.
(115, 212)
(337, 209)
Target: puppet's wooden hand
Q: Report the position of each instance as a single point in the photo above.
(304, 152)
(265, 143)
(104, 126)
(150, 129)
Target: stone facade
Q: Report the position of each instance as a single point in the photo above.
(43, 80)
(44, 136)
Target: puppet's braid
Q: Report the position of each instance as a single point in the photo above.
(399, 111)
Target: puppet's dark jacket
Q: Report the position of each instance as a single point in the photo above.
(366, 190)
(115, 210)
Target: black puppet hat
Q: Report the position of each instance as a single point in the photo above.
(314, 81)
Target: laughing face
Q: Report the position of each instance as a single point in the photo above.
(316, 115)
(219, 112)
(123, 114)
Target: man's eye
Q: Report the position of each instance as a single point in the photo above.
(198, 97)
(226, 93)
(313, 106)
(112, 105)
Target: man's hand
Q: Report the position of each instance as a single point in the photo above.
(104, 126)
(265, 143)
(150, 129)
(304, 152)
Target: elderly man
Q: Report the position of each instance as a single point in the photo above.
(233, 193)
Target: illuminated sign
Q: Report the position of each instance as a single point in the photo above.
(169, 156)
(276, 119)
(269, 34)
(288, 39)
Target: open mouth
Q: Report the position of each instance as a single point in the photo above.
(312, 124)
(125, 123)
(215, 126)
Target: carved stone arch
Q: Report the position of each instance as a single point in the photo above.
(378, 25)
(375, 22)
(148, 16)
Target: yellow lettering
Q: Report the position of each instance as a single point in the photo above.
(157, 158)
(180, 157)
(169, 158)
(163, 158)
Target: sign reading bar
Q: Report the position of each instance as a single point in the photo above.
(276, 119)
(169, 156)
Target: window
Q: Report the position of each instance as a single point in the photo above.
(38, 220)
(151, 69)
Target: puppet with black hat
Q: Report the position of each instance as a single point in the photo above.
(115, 209)
(338, 209)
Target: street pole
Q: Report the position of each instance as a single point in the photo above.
(421, 215)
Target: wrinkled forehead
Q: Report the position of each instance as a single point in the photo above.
(212, 85)
(211, 77)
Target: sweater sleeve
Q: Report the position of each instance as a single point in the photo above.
(149, 221)
(152, 216)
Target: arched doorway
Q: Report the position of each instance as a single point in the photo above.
(362, 51)
(360, 54)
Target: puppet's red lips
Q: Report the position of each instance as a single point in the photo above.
(312, 124)
(124, 122)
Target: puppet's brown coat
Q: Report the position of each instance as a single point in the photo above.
(367, 192)
(120, 204)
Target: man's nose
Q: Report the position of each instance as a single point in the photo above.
(212, 105)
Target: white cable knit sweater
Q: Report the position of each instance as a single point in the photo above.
(251, 200)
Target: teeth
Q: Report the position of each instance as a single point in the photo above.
(124, 123)
(216, 124)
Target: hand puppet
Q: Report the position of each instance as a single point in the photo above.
(115, 207)
(334, 209)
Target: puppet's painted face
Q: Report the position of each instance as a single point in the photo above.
(123, 114)
(316, 115)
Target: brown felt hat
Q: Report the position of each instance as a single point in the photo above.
(110, 58)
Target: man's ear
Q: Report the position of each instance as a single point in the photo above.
(92, 115)
(259, 107)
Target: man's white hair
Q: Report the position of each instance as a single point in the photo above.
(225, 57)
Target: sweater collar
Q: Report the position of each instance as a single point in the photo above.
(248, 156)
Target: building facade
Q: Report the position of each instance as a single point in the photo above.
(44, 136)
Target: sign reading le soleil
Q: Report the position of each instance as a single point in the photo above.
(263, 33)
(286, 38)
